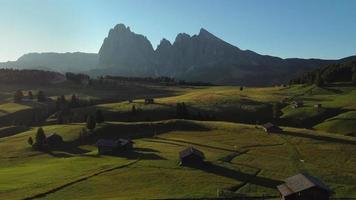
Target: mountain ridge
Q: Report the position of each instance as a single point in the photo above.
(199, 57)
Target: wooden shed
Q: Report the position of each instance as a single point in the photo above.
(271, 128)
(303, 187)
(297, 103)
(54, 140)
(112, 147)
(149, 100)
(191, 156)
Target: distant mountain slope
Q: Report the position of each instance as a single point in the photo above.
(202, 57)
(342, 71)
(61, 62)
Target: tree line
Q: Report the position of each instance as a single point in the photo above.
(340, 72)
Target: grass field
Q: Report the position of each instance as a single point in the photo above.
(241, 160)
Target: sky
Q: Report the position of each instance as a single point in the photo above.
(285, 28)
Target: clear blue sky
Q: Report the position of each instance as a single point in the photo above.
(285, 28)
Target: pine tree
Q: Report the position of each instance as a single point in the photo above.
(354, 75)
(41, 96)
(319, 80)
(91, 123)
(40, 137)
(99, 116)
(18, 96)
(30, 95)
(133, 110)
(74, 101)
(30, 141)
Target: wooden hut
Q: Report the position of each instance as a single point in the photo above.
(271, 128)
(54, 140)
(317, 105)
(191, 156)
(297, 103)
(149, 101)
(303, 187)
(112, 147)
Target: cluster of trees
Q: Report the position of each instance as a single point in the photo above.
(64, 107)
(182, 111)
(92, 120)
(77, 78)
(18, 96)
(25, 76)
(40, 140)
(340, 72)
(155, 80)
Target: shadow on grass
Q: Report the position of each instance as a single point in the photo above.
(197, 144)
(136, 155)
(319, 137)
(240, 176)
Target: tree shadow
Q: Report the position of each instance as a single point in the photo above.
(197, 144)
(319, 137)
(135, 155)
(140, 149)
(237, 175)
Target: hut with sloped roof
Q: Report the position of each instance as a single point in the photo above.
(303, 187)
(191, 156)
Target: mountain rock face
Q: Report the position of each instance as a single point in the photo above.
(130, 53)
(202, 57)
(60, 62)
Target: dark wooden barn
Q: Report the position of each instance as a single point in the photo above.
(54, 140)
(271, 128)
(149, 100)
(303, 187)
(297, 103)
(112, 147)
(191, 156)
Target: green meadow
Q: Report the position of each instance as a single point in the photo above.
(241, 159)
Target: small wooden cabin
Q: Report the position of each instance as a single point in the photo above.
(271, 128)
(303, 187)
(112, 147)
(191, 156)
(54, 140)
(317, 105)
(149, 100)
(297, 104)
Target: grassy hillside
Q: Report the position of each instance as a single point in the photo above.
(240, 160)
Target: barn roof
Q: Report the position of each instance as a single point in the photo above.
(299, 183)
(124, 142)
(189, 151)
(268, 125)
(297, 102)
(113, 143)
(54, 135)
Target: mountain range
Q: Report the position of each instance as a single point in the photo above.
(202, 57)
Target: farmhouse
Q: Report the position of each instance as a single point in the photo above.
(317, 105)
(149, 100)
(54, 140)
(191, 156)
(269, 128)
(111, 147)
(297, 103)
(303, 187)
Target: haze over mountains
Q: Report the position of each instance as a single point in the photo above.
(201, 57)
